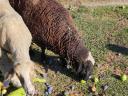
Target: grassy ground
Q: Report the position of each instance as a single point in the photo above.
(105, 32)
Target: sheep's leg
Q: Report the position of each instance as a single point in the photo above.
(23, 70)
(43, 56)
(63, 62)
(15, 81)
(4, 62)
(31, 52)
(5, 67)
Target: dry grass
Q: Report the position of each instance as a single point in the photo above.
(92, 3)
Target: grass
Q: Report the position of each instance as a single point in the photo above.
(103, 27)
(105, 33)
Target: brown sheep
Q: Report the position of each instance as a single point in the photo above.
(52, 27)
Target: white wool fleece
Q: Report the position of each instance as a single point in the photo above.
(16, 39)
(14, 35)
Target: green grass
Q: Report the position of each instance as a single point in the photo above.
(100, 27)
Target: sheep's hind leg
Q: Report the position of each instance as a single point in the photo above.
(43, 55)
(63, 61)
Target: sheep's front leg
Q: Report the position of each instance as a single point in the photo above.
(6, 67)
(23, 71)
(31, 52)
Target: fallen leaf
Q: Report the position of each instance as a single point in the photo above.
(39, 80)
(93, 88)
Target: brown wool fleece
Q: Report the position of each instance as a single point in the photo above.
(52, 27)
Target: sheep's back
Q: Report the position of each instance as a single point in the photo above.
(50, 24)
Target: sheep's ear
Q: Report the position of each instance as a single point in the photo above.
(89, 69)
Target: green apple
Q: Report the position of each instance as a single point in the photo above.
(17, 92)
(123, 7)
(82, 81)
(96, 80)
(123, 77)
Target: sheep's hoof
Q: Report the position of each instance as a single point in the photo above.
(15, 81)
(16, 84)
(31, 91)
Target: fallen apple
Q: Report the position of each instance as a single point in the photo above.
(96, 80)
(123, 77)
(82, 81)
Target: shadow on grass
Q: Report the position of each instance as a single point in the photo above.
(116, 76)
(117, 48)
(55, 64)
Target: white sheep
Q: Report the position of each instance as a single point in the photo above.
(15, 38)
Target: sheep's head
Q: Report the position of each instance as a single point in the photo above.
(84, 65)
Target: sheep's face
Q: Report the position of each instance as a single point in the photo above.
(85, 70)
(84, 66)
